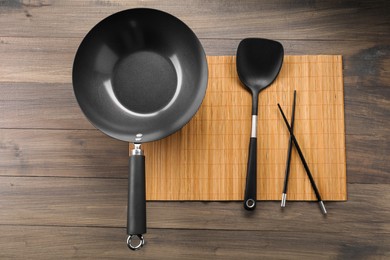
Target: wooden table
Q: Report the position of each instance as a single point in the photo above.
(63, 184)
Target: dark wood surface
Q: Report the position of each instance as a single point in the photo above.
(63, 184)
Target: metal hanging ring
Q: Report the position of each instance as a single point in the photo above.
(250, 203)
(139, 245)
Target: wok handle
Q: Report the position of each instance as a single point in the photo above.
(136, 210)
(251, 176)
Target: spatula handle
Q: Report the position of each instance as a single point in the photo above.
(250, 195)
(251, 176)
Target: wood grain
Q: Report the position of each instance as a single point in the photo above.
(40, 106)
(42, 242)
(49, 60)
(40, 136)
(89, 153)
(99, 202)
(215, 19)
(206, 160)
(76, 153)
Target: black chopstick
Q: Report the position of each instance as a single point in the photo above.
(313, 184)
(288, 161)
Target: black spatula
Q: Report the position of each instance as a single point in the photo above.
(258, 64)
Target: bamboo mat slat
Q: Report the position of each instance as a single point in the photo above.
(206, 160)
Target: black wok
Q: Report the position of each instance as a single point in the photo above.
(139, 75)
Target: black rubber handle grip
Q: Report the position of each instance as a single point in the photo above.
(251, 176)
(136, 210)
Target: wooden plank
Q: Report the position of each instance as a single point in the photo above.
(76, 153)
(40, 106)
(228, 19)
(53, 106)
(49, 60)
(102, 203)
(368, 158)
(43, 242)
(89, 153)
(367, 106)
(35, 105)
(366, 77)
(37, 59)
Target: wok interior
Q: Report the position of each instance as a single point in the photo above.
(140, 71)
(137, 80)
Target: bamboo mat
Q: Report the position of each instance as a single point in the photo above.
(206, 160)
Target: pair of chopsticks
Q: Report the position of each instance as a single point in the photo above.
(290, 142)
